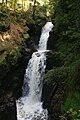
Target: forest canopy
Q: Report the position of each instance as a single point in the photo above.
(21, 4)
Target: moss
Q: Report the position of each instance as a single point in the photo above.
(72, 101)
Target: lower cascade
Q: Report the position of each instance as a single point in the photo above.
(29, 106)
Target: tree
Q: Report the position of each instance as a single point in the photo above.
(2, 5)
(34, 7)
(22, 4)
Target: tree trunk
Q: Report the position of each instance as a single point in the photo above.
(22, 5)
(2, 8)
(34, 9)
(6, 5)
(15, 2)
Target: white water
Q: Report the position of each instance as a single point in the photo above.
(29, 106)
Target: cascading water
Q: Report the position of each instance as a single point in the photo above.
(29, 106)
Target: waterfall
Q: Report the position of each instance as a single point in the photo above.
(29, 106)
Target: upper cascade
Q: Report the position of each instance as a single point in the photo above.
(45, 35)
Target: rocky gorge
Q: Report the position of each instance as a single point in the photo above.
(15, 52)
(19, 37)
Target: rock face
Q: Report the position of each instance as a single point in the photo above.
(53, 98)
(7, 106)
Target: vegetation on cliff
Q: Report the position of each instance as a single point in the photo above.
(67, 46)
(14, 54)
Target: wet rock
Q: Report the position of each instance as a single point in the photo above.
(53, 98)
(7, 107)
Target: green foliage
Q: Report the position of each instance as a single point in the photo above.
(72, 95)
(72, 101)
(71, 114)
(12, 57)
(57, 74)
(10, 49)
(40, 14)
(67, 27)
(67, 20)
(3, 27)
